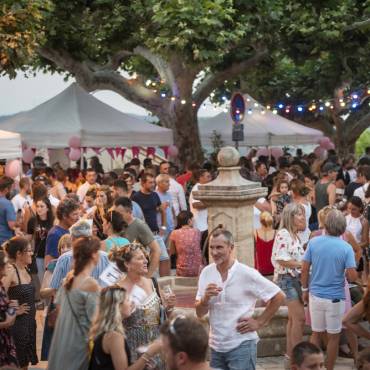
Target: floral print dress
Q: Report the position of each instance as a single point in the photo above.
(8, 355)
(285, 249)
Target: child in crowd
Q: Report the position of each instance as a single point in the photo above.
(307, 356)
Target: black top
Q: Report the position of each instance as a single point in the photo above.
(101, 360)
(39, 229)
(149, 204)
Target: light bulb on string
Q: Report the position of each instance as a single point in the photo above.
(224, 98)
(274, 111)
(300, 109)
(249, 111)
(256, 105)
(321, 108)
(354, 105)
(148, 82)
(193, 105)
(355, 96)
(281, 106)
(212, 94)
(332, 107)
(263, 112)
(327, 104)
(368, 91)
(342, 104)
(163, 95)
(173, 98)
(287, 110)
(183, 101)
(341, 100)
(268, 107)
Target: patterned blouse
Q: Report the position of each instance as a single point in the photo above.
(285, 249)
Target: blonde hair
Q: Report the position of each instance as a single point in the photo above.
(321, 215)
(287, 217)
(65, 240)
(109, 317)
(266, 219)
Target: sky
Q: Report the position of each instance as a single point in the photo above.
(21, 94)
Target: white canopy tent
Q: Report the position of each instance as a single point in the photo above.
(266, 129)
(10, 145)
(74, 112)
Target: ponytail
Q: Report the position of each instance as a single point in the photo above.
(83, 250)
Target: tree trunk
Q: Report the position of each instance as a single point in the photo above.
(343, 145)
(184, 124)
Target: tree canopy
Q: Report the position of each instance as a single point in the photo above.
(169, 55)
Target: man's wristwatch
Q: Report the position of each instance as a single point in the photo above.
(304, 289)
(164, 228)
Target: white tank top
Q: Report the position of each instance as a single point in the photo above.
(355, 227)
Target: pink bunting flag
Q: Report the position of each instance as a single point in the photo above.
(118, 152)
(165, 150)
(135, 151)
(150, 151)
(110, 152)
(123, 151)
(96, 150)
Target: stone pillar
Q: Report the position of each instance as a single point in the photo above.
(229, 200)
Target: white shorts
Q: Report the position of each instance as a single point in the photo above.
(164, 253)
(326, 315)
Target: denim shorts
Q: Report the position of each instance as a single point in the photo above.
(164, 253)
(288, 284)
(242, 357)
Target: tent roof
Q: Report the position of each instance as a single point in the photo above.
(74, 112)
(10, 145)
(259, 129)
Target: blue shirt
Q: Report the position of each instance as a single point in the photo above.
(329, 256)
(137, 212)
(166, 197)
(7, 213)
(64, 265)
(52, 240)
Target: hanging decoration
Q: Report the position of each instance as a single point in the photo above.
(135, 151)
(13, 168)
(165, 151)
(74, 154)
(28, 155)
(150, 151)
(74, 142)
(110, 152)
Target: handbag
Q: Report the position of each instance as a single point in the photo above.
(52, 315)
(162, 310)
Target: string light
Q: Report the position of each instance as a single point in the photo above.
(355, 96)
(163, 95)
(281, 106)
(354, 105)
(249, 111)
(173, 98)
(274, 111)
(342, 104)
(327, 104)
(183, 101)
(256, 105)
(268, 107)
(300, 109)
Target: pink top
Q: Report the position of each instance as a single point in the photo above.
(188, 251)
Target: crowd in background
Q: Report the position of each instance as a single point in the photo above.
(87, 246)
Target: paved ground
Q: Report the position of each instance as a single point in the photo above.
(266, 363)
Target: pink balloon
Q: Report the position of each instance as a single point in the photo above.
(330, 146)
(67, 151)
(173, 151)
(262, 151)
(28, 155)
(74, 142)
(13, 168)
(277, 152)
(320, 152)
(324, 141)
(75, 154)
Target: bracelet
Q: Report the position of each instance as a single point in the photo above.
(304, 289)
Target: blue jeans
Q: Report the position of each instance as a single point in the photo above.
(242, 357)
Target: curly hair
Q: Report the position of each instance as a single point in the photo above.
(123, 255)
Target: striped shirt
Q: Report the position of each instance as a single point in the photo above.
(64, 265)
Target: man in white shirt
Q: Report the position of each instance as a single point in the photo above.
(228, 290)
(197, 208)
(361, 191)
(177, 193)
(90, 182)
(23, 197)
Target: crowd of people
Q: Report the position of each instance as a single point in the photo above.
(87, 247)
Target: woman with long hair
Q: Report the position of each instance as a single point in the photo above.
(113, 226)
(18, 284)
(185, 244)
(111, 351)
(142, 326)
(300, 196)
(358, 225)
(38, 227)
(287, 255)
(8, 354)
(103, 203)
(77, 300)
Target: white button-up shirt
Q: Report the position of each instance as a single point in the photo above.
(241, 290)
(178, 196)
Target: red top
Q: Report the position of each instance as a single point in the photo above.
(184, 178)
(262, 255)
